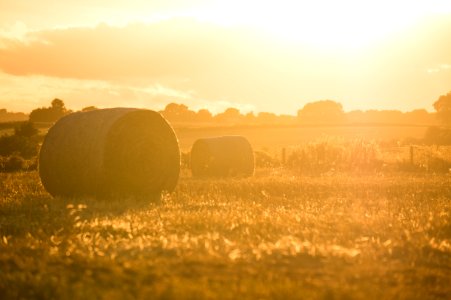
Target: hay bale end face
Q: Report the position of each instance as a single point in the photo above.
(118, 151)
(225, 156)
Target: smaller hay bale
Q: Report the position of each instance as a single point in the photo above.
(107, 152)
(225, 156)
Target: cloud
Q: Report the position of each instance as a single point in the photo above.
(173, 48)
(440, 68)
(199, 59)
(194, 63)
(18, 93)
(16, 31)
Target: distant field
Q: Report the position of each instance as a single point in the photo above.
(273, 236)
(270, 137)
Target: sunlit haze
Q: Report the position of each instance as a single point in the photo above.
(254, 55)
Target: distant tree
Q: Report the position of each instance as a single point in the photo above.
(322, 112)
(204, 115)
(26, 129)
(356, 116)
(89, 108)
(178, 112)
(175, 110)
(443, 108)
(417, 116)
(420, 116)
(286, 119)
(250, 118)
(6, 116)
(267, 118)
(230, 115)
(49, 114)
(384, 116)
(40, 115)
(58, 105)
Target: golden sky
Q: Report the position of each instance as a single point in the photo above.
(254, 55)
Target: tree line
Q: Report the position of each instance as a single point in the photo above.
(324, 112)
(18, 151)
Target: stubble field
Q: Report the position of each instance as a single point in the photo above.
(276, 235)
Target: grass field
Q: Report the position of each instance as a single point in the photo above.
(275, 236)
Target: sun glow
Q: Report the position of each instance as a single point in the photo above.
(344, 24)
(214, 53)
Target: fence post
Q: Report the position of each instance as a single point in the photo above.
(411, 155)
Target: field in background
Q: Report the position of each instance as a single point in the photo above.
(273, 236)
(267, 137)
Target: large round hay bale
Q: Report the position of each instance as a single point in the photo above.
(224, 156)
(118, 151)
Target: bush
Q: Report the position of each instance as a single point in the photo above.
(16, 163)
(437, 136)
(24, 141)
(26, 129)
(438, 165)
(12, 163)
(435, 159)
(328, 155)
(22, 145)
(265, 160)
(406, 166)
(33, 164)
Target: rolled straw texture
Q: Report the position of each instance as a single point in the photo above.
(225, 156)
(118, 151)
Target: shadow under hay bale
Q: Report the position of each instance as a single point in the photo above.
(224, 156)
(106, 152)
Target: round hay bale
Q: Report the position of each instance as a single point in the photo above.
(105, 152)
(225, 156)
